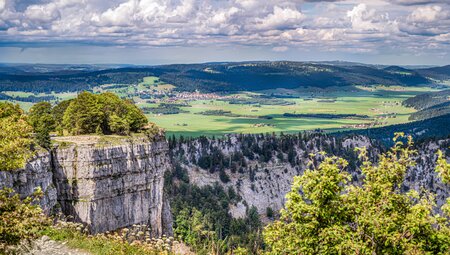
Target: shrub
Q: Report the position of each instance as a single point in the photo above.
(20, 219)
(15, 137)
(325, 214)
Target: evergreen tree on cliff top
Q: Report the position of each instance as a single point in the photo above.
(325, 214)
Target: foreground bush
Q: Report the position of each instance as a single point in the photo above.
(20, 219)
(325, 214)
(15, 137)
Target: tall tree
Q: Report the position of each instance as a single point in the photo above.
(84, 114)
(58, 114)
(42, 120)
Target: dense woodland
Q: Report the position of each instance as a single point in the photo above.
(102, 113)
(427, 100)
(431, 128)
(31, 98)
(429, 105)
(212, 203)
(62, 82)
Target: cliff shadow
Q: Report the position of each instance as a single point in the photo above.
(66, 186)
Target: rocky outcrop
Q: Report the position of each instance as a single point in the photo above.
(105, 187)
(112, 187)
(36, 173)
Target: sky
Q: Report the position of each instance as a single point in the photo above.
(150, 32)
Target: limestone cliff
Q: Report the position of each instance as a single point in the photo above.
(36, 173)
(270, 163)
(105, 186)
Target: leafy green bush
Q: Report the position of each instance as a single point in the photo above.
(331, 216)
(20, 219)
(15, 137)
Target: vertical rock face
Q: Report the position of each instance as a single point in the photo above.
(112, 187)
(104, 187)
(270, 180)
(37, 173)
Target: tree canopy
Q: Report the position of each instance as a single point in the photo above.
(102, 113)
(326, 214)
(15, 137)
(43, 122)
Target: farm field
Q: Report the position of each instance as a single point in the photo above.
(194, 124)
(375, 102)
(308, 109)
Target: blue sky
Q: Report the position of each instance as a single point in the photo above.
(185, 31)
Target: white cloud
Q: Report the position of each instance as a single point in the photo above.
(2, 5)
(361, 17)
(42, 13)
(427, 14)
(368, 26)
(280, 48)
(281, 18)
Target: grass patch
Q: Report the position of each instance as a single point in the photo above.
(99, 244)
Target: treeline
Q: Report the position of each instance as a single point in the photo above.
(31, 98)
(429, 105)
(438, 73)
(62, 82)
(258, 101)
(165, 108)
(325, 116)
(431, 112)
(253, 76)
(208, 153)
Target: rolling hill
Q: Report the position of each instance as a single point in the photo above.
(215, 77)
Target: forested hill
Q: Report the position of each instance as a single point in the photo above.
(436, 127)
(429, 105)
(438, 73)
(217, 77)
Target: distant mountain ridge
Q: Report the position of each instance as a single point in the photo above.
(220, 76)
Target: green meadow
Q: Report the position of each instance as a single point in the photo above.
(373, 101)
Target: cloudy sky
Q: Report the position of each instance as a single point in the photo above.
(186, 31)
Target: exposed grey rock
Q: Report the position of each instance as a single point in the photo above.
(106, 188)
(273, 180)
(37, 173)
(113, 187)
